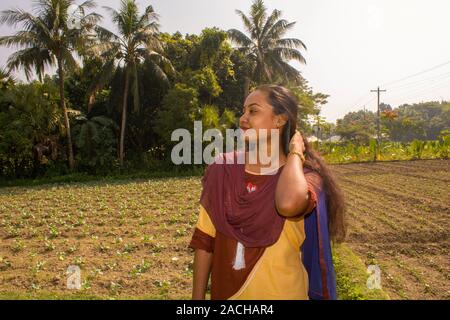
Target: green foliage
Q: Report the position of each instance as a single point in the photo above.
(29, 115)
(373, 148)
(417, 147)
(309, 104)
(79, 87)
(346, 152)
(212, 42)
(95, 141)
(228, 119)
(443, 148)
(358, 127)
(351, 276)
(408, 132)
(180, 109)
(422, 121)
(50, 36)
(6, 80)
(210, 117)
(205, 82)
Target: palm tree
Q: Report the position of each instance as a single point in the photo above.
(137, 40)
(265, 46)
(50, 36)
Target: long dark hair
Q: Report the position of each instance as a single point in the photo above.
(285, 102)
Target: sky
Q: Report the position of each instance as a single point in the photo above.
(353, 46)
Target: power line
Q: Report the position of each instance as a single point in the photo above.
(359, 99)
(414, 83)
(394, 94)
(427, 90)
(416, 74)
(444, 75)
(400, 86)
(368, 101)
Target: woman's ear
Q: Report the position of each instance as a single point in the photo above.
(280, 120)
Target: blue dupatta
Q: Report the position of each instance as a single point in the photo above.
(316, 253)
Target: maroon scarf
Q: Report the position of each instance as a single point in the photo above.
(250, 218)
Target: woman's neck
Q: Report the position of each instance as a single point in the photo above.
(258, 166)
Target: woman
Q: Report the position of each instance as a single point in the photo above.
(267, 236)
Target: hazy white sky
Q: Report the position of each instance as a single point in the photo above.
(353, 45)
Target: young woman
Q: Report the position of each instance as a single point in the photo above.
(267, 236)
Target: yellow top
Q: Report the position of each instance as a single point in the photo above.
(279, 273)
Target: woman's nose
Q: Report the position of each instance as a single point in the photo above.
(243, 119)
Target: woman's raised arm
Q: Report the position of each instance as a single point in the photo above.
(291, 193)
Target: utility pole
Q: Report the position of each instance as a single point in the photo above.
(378, 120)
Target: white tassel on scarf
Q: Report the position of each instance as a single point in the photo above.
(239, 261)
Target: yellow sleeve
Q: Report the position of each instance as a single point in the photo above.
(205, 224)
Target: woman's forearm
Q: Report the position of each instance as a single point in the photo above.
(202, 270)
(291, 193)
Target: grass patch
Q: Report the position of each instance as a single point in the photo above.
(351, 276)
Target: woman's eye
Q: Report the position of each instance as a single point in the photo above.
(250, 111)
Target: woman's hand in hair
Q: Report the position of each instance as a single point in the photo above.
(291, 193)
(297, 143)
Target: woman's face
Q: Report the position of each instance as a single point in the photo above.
(258, 114)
